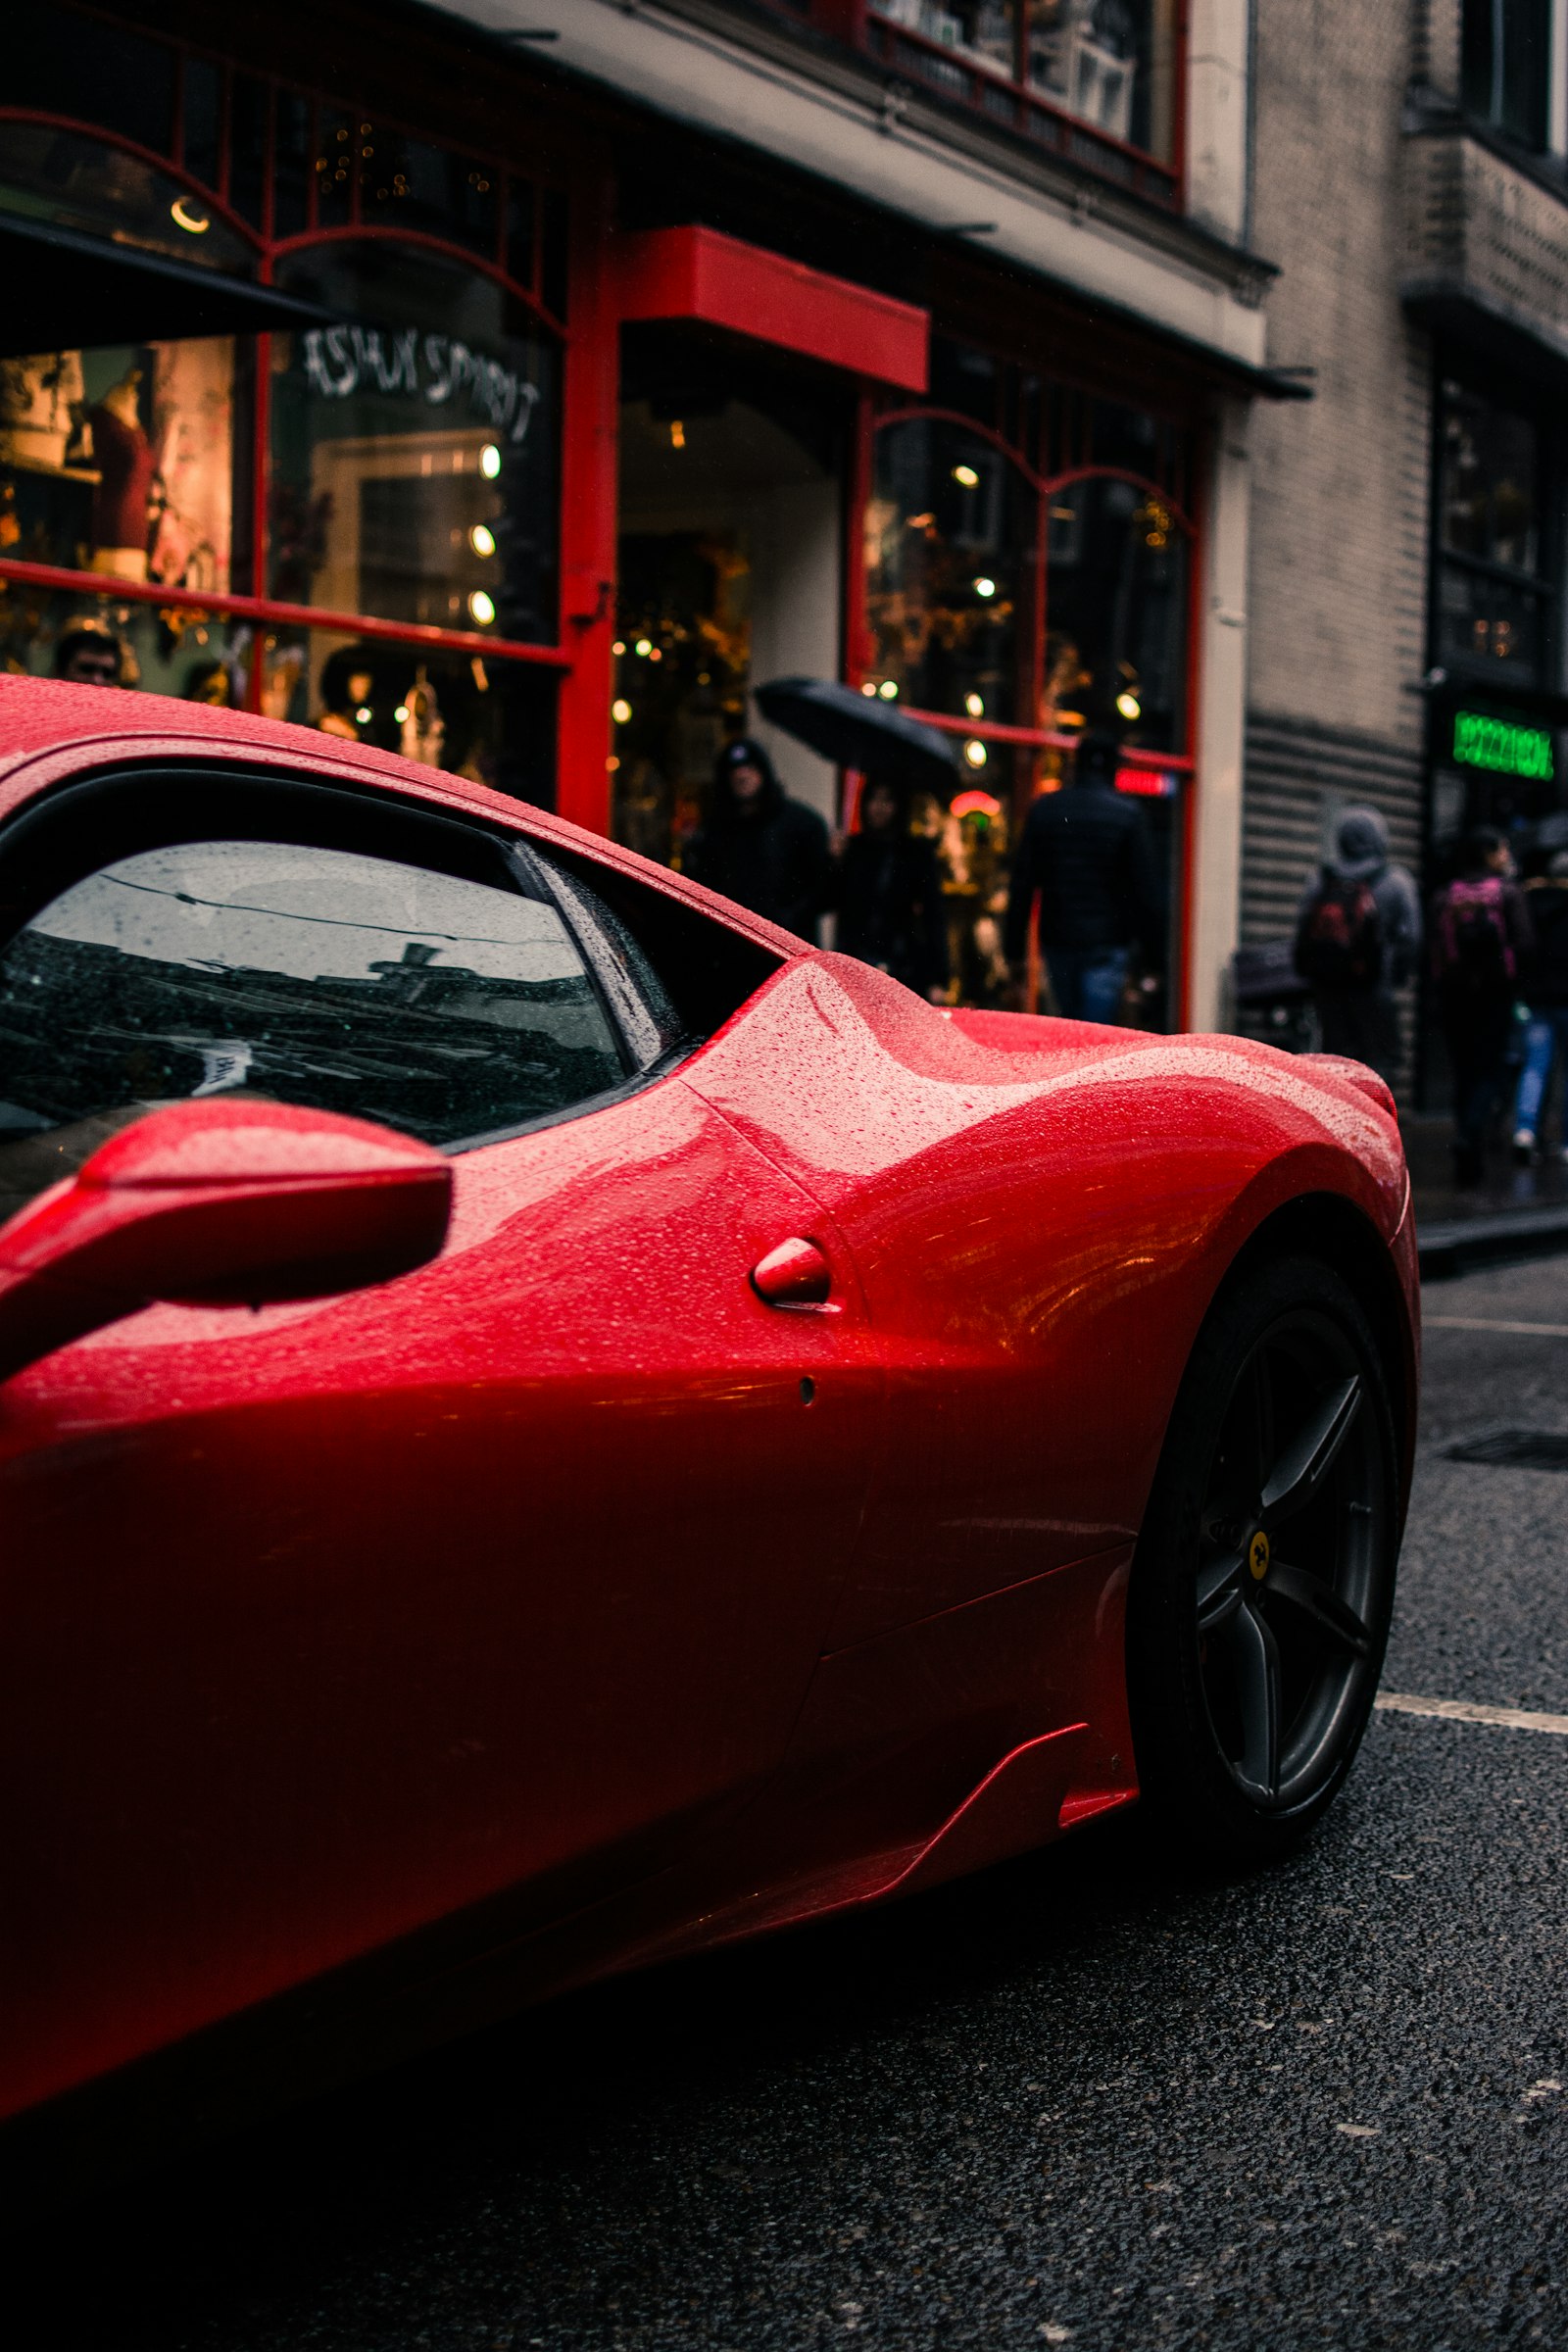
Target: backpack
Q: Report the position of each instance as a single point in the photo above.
(1338, 942)
(1472, 953)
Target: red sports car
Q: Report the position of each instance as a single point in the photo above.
(547, 1424)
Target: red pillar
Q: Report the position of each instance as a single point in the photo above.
(589, 458)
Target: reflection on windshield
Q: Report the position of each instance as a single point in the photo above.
(418, 1000)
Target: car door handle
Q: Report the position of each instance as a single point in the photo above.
(795, 1274)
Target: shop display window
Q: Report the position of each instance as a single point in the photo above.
(395, 467)
(1027, 577)
(475, 716)
(413, 468)
(105, 639)
(949, 532)
(121, 459)
(1116, 598)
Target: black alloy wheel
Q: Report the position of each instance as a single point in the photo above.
(1264, 1575)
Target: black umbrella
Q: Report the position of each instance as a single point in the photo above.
(857, 730)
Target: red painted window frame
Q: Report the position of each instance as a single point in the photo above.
(1189, 518)
(1033, 117)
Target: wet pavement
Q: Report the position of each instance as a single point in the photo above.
(1504, 1188)
(1084, 2099)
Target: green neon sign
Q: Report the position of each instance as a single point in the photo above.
(1496, 743)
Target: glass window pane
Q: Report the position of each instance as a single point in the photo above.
(1484, 618)
(1111, 63)
(409, 183)
(335, 147)
(1116, 613)
(520, 231)
(980, 30)
(82, 183)
(950, 530)
(415, 447)
(105, 641)
(354, 984)
(121, 459)
(483, 717)
(249, 107)
(292, 165)
(1505, 72)
(60, 63)
(204, 125)
(554, 254)
(1489, 491)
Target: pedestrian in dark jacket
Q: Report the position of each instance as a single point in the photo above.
(1085, 851)
(759, 848)
(1481, 949)
(1547, 994)
(891, 910)
(1359, 939)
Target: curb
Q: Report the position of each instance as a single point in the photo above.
(1464, 1243)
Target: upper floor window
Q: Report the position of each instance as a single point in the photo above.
(1494, 596)
(1506, 66)
(1109, 65)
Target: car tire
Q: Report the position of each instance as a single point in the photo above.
(1264, 1578)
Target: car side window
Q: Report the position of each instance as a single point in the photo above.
(439, 1004)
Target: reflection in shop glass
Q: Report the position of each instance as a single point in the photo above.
(414, 446)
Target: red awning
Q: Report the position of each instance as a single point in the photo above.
(697, 272)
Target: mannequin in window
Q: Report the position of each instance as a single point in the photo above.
(121, 497)
(423, 734)
(346, 685)
(40, 410)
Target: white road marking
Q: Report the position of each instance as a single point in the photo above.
(1470, 1710)
(1544, 1331)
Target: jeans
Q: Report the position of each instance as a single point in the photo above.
(1087, 982)
(1546, 1041)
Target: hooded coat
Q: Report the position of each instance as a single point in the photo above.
(769, 854)
(1362, 856)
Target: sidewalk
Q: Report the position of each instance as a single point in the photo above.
(1515, 1213)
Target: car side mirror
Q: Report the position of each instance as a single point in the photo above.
(217, 1204)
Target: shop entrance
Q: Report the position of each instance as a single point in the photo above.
(730, 561)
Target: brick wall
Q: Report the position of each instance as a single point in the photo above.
(1336, 623)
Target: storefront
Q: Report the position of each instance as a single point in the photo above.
(424, 439)
(353, 522)
(1496, 713)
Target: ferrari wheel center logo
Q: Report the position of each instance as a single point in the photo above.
(1258, 1555)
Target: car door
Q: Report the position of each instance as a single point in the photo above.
(486, 1587)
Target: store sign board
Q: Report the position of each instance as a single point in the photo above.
(1498, 744)
(439, 369)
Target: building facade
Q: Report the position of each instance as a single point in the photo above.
(1408, 527)
(520, 387)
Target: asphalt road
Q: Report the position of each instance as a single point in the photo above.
(1080, 2101)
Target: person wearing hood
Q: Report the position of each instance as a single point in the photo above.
(1358, 940)
(757, 847)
